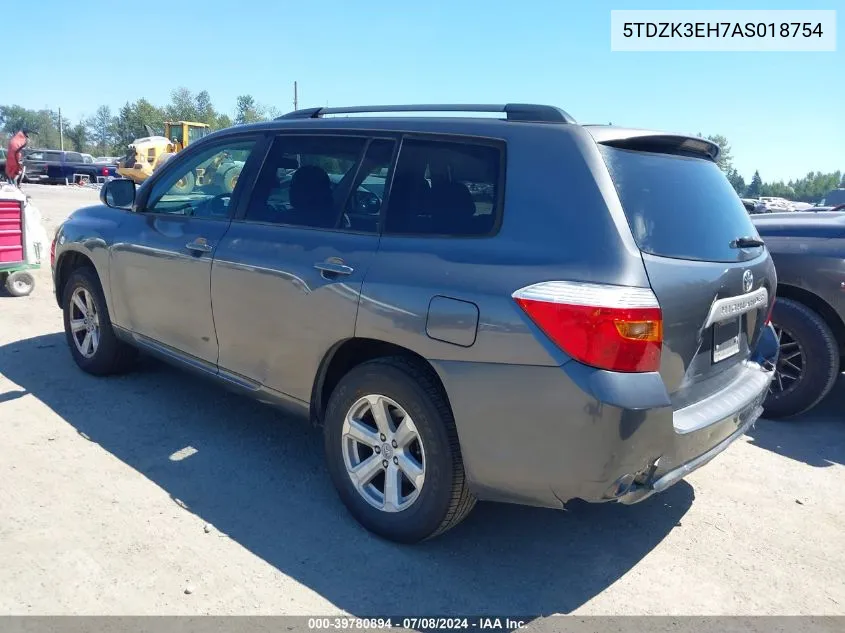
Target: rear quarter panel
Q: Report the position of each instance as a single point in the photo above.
(558, 224)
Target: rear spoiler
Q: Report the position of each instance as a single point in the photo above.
(658, 142)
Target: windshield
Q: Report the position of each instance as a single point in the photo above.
(680, 207)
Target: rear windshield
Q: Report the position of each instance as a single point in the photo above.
(42, 155)
(679, 207)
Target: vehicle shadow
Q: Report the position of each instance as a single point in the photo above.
(260, 479)
(816, 438)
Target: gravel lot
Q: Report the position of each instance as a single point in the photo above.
(102, 512)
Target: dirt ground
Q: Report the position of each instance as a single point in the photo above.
(159, 493)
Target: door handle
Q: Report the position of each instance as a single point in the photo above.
(334, 268)
(199, 245)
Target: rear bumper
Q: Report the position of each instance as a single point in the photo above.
(662, 479)
(545, 435)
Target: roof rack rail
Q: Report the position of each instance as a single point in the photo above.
(515, 111)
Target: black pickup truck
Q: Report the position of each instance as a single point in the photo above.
(809, 314)
(58, 167)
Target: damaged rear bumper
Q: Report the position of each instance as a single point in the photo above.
(545, 435)
(637, 492)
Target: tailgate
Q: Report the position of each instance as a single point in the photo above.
(713, 315)
(36, 168)
(714, 292)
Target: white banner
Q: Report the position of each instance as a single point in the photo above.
(723, 30)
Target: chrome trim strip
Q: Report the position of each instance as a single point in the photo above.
(730, 307)
(733, 398)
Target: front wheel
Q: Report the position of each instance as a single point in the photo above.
(808, 363)
(185, 184)
(392, 451)
(88, 329)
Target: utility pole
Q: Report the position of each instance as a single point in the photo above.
(61, 132)
(295, 97)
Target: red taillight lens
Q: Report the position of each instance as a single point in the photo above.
(105, 171)
(610, 327)
(53, 252)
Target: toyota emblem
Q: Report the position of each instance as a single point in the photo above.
(747, 281)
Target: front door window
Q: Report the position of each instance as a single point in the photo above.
(202, 186)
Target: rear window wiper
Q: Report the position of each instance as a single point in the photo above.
(747, 242)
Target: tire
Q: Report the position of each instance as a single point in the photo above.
(444, 499)
(20, 283)
(802, 330)
(109, 355)
(229, 179)
(184, 185)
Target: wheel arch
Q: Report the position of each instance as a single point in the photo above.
(66, 263)
(816, 303)
(349, 353)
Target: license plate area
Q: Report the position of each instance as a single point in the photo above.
(726, 336)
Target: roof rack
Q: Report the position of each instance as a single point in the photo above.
(515, 111)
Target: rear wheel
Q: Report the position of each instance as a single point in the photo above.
(20, 283)
(808, 363)
(392, 451)
(88, 330)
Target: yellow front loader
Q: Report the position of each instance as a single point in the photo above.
(147, 154)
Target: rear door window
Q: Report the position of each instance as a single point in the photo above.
(680, 207)
(445, 188)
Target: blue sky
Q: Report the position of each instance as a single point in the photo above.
(783, 113)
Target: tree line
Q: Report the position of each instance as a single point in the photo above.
(810, 188)
(108, 133)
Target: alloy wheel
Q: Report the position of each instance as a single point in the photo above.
(790, 364)
(383, 453)
(84, 322)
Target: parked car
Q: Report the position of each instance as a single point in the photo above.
(58, 167)
(754, 206)
(809, 314)
(106, 160)
(2, 162)
(776, 204)
(571, 325)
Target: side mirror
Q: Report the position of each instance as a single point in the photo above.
(118, 194)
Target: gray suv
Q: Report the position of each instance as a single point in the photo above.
(518, 309)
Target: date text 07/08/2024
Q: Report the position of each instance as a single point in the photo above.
(417, 623)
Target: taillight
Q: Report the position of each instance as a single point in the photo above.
(53, 252)
(105, 171)
(610, 327)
